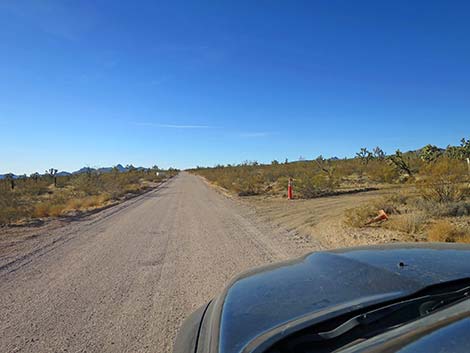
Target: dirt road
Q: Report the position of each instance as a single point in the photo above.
(124, 279)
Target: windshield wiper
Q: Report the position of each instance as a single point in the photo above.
(397, 313)
(361, 324)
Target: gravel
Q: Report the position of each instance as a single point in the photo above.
(124, 279)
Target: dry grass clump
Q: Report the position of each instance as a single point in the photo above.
(133, 188)
(357, 217)
(47, 209)
(410, 223)
(56, 207)
(88, 202)
(412, 214)
(399, 218)
(444, 231)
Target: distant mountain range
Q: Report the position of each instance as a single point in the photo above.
(119, 167)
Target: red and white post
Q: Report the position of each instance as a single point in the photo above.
(289, 190)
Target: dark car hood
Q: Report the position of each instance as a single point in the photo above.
(271, 297)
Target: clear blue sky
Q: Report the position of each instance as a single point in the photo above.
(198, 83)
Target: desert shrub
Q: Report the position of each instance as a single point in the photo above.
(132, 188)
(398, 199)
(48, 209)
(410, 223)
(94, 201)
(65, 201)
(74, 204)
(459, 209)
(443, 181)
(281, 185)
(382, 172)
(358, 216)
(443, 209)
(313, 186)
(34, 188)
(348, 167)
(445, 231)
(247, 179)
(225, 182)
(10, 207)
(56, 210)
(88, 183)
(115, 187)
(87, 202)
(248, 185)
(41, 210)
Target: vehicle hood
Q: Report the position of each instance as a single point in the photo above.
(261, 300)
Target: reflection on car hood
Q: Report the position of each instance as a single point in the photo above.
(265, 298)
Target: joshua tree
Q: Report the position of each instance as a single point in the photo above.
(53, 174)
(35, 176)
(326, 167)
(10, 178)
(465, 146)
(459, 152)
(378, 153)
(364, 155)
(429, 153)
(398, 160)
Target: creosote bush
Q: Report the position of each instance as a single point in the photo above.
(444, 181)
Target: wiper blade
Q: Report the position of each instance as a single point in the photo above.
(397, 313)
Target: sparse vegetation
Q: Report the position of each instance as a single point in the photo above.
(410, 223)
(51, 195)
(430, 184)
(429, 167)
(445, 231)
(439, 194)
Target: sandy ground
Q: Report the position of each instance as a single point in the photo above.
(320, 220)
(122, 280)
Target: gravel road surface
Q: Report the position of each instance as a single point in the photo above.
(124, 279)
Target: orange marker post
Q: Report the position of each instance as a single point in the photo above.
(289, 190)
